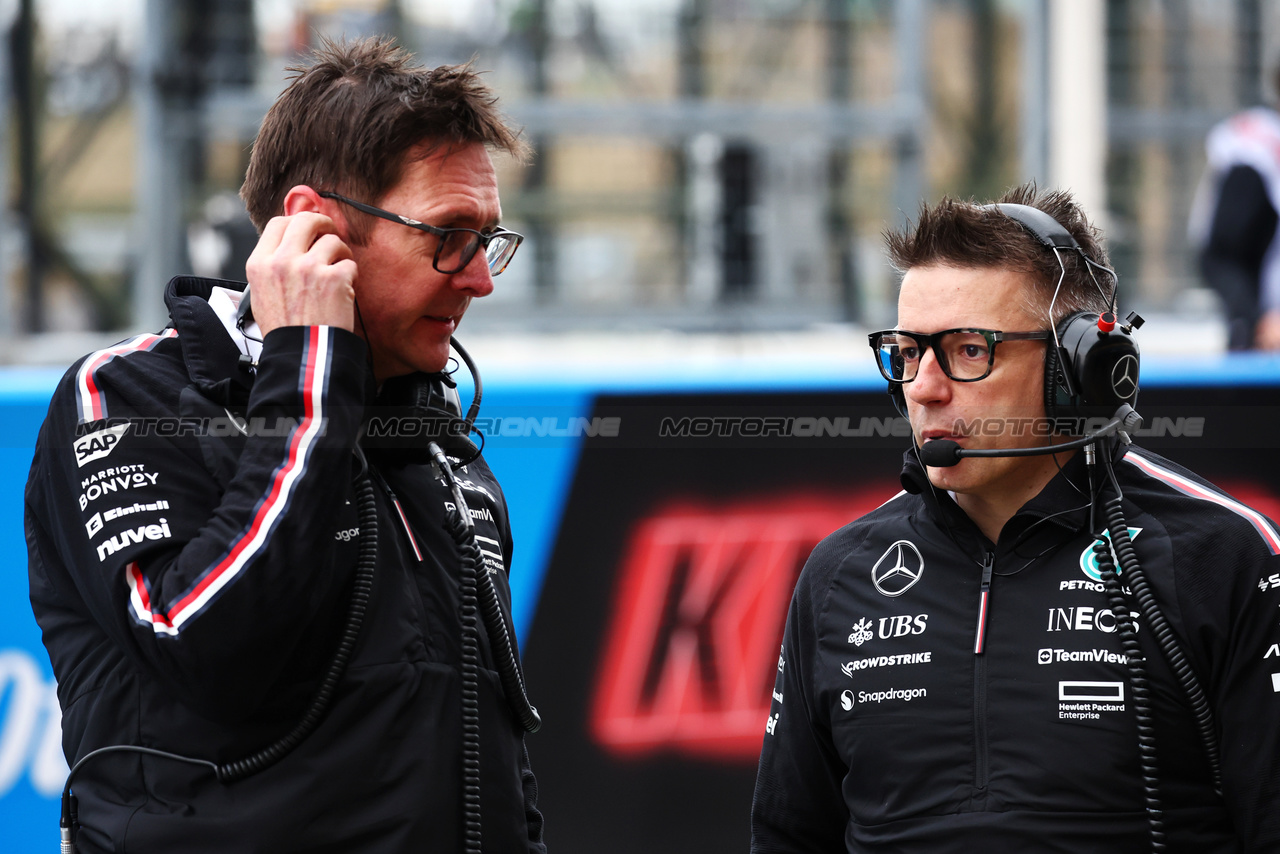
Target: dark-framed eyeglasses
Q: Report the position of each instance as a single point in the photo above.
(457, 246)
(965, 355)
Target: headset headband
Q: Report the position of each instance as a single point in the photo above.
(1043, 227)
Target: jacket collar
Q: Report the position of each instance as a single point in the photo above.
(1062, 504)
(212, 358)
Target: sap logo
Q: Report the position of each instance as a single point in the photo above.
(95, 446)
(846, 700)
(137, 535)
(904, 624)
(1084, 618)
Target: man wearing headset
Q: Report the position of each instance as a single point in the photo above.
(194, 522)
(954, 676)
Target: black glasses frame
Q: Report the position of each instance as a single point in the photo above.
(933, 341)
(477, 239)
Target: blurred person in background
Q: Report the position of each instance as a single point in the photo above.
(1233, 224)
(961, 669)
(203, 514)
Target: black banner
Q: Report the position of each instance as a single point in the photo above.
(652, 654)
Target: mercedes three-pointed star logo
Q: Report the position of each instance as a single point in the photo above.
(1124, 376)
(898, 569)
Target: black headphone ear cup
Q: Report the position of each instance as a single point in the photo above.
(1092, 372)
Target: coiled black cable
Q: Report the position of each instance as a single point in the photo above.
(474, 579)
(504, 654)
(361, 588)
(1167, 642)
(1141, 692)
(470, 666)
(1163, 633)
(495, 622)
(230, 772)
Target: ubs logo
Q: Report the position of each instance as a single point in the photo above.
(898, 569)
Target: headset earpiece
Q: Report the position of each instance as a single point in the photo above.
(1093, 372)
(1091, 367)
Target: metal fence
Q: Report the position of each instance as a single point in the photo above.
(701, 164)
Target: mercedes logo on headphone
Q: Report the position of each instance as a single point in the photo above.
(898, 569)
(1124, 376)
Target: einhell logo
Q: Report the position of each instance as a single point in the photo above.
(690, 654)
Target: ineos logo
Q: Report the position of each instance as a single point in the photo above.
(30, 728)
(1084, 618)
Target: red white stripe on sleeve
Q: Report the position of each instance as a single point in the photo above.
(1192, 489)
(90, 401)
(253, 539)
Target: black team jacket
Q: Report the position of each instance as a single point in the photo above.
(891, 731)
(192, 533)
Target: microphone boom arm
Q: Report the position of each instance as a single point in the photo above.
(943, 453)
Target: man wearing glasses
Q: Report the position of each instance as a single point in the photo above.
(960, 668)
(264, 627)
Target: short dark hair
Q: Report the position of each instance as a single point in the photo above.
(348, 119)
(965, 234)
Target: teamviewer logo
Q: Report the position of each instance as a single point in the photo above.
(1045, 656)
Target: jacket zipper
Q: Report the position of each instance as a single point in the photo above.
(980, 770)
(404, 520)
(980, 636)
